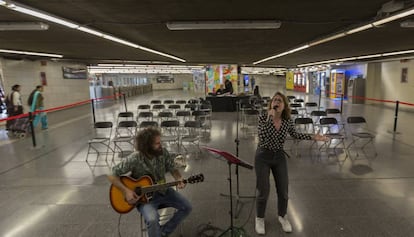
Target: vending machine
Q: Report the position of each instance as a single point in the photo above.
(337, 83)
(356, 90)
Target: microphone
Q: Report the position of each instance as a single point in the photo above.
(275, 107)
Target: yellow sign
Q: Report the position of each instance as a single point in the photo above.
(289, 81)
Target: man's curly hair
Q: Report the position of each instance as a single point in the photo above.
(145, 140)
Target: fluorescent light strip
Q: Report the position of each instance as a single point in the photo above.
(43, 15)
(282, 54)
(398, 52)
(369, 56)
(31, 53)
(327, 39)
(394, 17)
(358, 57)
(222, 25)
(358, 29)
(400, 15)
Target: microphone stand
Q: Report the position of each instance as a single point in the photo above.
(239, 203)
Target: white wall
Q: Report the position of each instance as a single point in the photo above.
(384, 81)
(391, 77)
(58, 91)
(179, 79)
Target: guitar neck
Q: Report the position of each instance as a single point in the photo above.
(157, 187)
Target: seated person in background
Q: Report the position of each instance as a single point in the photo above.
(221, 90)
(256, 92)
(228, 86)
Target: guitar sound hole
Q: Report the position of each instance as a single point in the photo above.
(138, 191)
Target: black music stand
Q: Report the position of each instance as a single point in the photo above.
(231, 159)
(239, 203)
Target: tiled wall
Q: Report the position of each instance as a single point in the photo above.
(57, 92)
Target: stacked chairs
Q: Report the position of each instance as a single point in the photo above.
(336, 113)
(157, 108)
(168, 102)
(291, 98)
(294, 113)
(174, 107)
(164, 115)
(250, 121)
(147, 124)
(124, 116)
(304, 125)
(203, 117)
(183, 115)
(145, 115)
(191, 135)
(310, 106)
(298, 107)
(316, 115)
(170, 132)
(101, 142)
(191, 107)
(181, 102)
(330, 128)
(361, 136)
(144, 107)
(125, 134)
(155, 102)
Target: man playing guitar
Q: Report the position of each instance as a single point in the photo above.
(152, 160)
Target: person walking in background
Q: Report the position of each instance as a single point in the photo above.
(36, 102)
(273, 128)
(252, 82)
(14, 104)
(151, 159)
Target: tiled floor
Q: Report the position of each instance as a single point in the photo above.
(51, 191)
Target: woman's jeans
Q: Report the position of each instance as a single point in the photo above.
(266, 161)
(151, 216)
(40, 117)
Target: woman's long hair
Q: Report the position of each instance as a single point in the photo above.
(286, 110)
(144, 141)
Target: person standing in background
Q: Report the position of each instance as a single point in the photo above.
(252, 82)
(14, 104)
(37, 104)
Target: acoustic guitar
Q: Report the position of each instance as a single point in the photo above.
(143, 187)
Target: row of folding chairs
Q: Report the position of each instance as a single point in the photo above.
(123, 140)
(358, 130)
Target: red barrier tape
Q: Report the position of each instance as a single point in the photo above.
(377, 100)
(59, 108)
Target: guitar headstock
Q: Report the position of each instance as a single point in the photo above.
(195, 178)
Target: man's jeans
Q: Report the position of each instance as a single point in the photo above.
(151, 216)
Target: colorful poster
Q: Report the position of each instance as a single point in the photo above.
(218, 74)
(289, 81)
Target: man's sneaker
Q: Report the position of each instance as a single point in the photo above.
(286, 226)
(260, 226)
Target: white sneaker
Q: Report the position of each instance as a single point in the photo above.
(260, 226)
(286, 226)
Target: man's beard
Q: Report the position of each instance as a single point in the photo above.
(156, 152)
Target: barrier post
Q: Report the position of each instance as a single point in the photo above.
(126, 109)
(93, 110)
(397, 105)
(32, 128)
(319, 103)
(342, 102)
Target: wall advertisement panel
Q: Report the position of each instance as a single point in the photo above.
(289, 81)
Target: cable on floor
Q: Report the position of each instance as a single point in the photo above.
(119, 226)
(208, 230)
